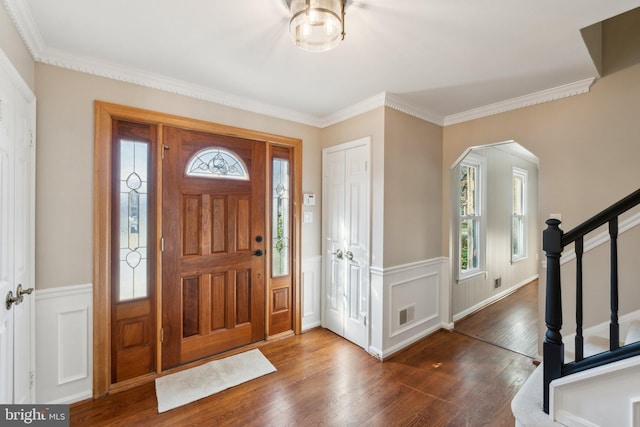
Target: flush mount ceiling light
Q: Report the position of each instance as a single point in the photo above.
(316, 25)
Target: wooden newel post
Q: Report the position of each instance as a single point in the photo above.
(553, 348)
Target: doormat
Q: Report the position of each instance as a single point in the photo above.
(196, 383)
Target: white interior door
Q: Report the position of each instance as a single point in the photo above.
(6, 242)
(17, 225)
(346, 212)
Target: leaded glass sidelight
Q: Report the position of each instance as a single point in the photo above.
(280, 217)
(134, 220)
(216, 162)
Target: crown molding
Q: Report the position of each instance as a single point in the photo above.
(564, 91)
(383, 99)
(397, 103)
(354, 110)
(22, 19)
(20, 14)
(171, 85)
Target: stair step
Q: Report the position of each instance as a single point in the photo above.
(633, 335)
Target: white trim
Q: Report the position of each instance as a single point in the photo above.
(523, 174)
(67, 321)
(576, 88)
(602, 238)
(397, 103)
(311, 291)
(63, 291)
(381, 271)
(557, 404)
(409, 341)
(419, 284)
(412, 325)
(22, 19)
(480, 163)
(364, 106)
(493, 299)
(571, 420)
(64, 323)
(16, 78)
(78, 397)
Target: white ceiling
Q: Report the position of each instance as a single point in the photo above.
(439, 58)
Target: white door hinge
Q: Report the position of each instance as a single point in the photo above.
(32, 379)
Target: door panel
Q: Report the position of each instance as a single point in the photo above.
(334, 181)
(346, 238)
(213, 279)
(6, 261)
(17, 190)
(357, 238)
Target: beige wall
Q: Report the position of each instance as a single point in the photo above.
(588, 146)
(412, 188)
(14, 48)
(620, 41)
(65, 162)
(406, 183)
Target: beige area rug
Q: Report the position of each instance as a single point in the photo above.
(192, 384)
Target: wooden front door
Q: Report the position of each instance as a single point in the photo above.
(213, 225)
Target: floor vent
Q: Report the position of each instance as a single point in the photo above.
(406, 314)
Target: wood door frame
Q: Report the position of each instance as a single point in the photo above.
(104, 113)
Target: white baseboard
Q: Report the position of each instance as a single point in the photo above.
(415, 291)
(388, 352)
(493, 299)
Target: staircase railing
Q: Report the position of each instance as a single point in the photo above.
(554, 240)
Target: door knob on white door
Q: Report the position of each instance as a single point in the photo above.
(18, 298)
(337, 253)
(349, 255)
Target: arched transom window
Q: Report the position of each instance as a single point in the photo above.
(215, 162)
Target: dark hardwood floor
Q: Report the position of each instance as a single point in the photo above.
(511, 322)
(446, 379)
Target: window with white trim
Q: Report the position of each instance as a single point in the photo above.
(519, 215)
(470, 214)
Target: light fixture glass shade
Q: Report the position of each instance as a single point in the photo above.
(316, 25)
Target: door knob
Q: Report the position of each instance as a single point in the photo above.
(258, 252)
(337, 253)
(349, 255)
(11, 299)
(20, 292)
(18, 298)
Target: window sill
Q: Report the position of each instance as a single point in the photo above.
(471, 276)
(517, 260)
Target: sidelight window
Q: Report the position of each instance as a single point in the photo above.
(280, 217)
(134, 218)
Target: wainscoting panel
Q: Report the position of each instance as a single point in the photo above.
(64, 344)
(73, 360)
(411, 304)
(311, 290)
